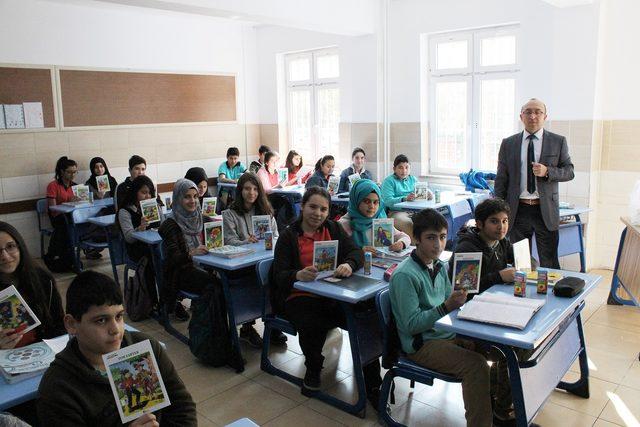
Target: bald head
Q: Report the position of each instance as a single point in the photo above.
(533, 115)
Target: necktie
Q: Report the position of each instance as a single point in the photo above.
(531, 157)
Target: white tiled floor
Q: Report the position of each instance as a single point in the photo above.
(613, 342)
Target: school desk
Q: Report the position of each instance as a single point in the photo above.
(114, 241)
(625, 283)
(293, 194)
(554, 334)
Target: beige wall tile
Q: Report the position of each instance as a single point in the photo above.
(54, 143)
(84, 140)
(363, 133)
(405, 132)
(581, 132)
(269, 136)
(624, 132)
(83, 157)
(17, 143)
(18, 165)
(561, 127)
(114, 139)
(624, 158)
(142, 137)
(168, 135)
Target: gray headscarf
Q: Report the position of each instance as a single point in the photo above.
(189, 222)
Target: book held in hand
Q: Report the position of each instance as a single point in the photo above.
(466, 271)
(150, 210)
(81, 191)
(15, 313)
(103, 183)
(135, 381)
(501, 309)
(382, 229)
(325, 257)
(283, 175)
(260, 225)
(522, 255)
(353, 178)
(209, 206)
(421, 191)
(213, 235)
(332, 185)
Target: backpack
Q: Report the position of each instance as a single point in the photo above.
(137, 301)
(209, 334)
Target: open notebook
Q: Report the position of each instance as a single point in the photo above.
(500, 309)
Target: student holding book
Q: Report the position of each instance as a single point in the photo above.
(294, 165)
(400, 187)
(255, 166)
(75, 390)
(268, 174)
(137, 167)
(314, 316)
(323, 170)
(59, 257)
(199, 177)
(229, 172)
(98, 167)
(365, 205)
(357, 166)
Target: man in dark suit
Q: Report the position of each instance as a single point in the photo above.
(530, 165)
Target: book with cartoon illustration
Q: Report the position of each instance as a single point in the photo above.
(81, 191)
(332, 186)
(325, 257)
(209, 206)
(260, 225)
(135, 381)
(466, 271)
(103, 183)
(213, 235)
(283, 175)
(421, 191)
(15, 313)
(150, 210)
(382, 229)
(353, 178)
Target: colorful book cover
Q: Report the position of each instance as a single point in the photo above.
(325, 256)
(283, 174)
(150, 211)
(15, 313)
(209, 206)
(261, 224)
(422, 191)
(332, 186)
(382, 229)
(135, 381)
(213, 235)
(353, 178)
(103, 183)
(466, 271)
(81, 191)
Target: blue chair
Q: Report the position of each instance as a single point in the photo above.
(403, 367)
(79, 231)
(42, 209)
(460, 213)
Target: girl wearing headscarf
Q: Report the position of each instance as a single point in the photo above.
(365, 205)
(99, 167)
(199, 177)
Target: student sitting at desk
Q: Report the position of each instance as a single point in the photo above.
(137, 167)
(59, 257)
(357, 166)
(294, 165)
(314, 316)
(255, 166)
(268, 174)
(421, 293)
(75, 390)
(323, 170)
(129, 219)
(199, 177)
(98, 167)
(229, 172)
(365, 205)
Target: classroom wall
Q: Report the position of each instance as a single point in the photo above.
(95, 34)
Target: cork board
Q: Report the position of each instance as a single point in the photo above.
(103, 98)
(18, 85)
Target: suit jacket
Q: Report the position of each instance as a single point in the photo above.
(554, 155)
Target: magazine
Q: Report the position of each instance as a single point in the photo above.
(283, 175)
(103, 183)
(522, 255)
(325, 257)
(150, 211)
(15, 313)
(421, 191)
(260, 225)
(81, 191)
(229, 251)
(213, 235)
(466, 271)
(332, 186)
(209, 206)
(136, 381)
(353, 178)
(382, 229)
(501, 309)
(18, 364)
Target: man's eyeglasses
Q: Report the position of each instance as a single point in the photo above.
(536, 112)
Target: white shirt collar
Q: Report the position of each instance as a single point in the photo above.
(537, 134)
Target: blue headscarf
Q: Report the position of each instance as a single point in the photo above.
(360, 224)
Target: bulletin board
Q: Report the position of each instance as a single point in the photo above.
(18, 85)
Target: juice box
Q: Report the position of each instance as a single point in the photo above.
(268, 240)
(367, 263)
(543, 280)
(520, 284)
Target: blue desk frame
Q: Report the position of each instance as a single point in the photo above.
(114, 243)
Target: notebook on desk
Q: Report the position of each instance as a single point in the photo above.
(355, 282)
(500, 309)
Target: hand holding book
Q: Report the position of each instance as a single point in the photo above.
(307, 274)
(456, 299)
(9, 338)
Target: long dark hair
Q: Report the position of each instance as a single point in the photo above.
(268, 157)
(92, 179)
(131, 197)
(261, 205)
(322, 160)
(61, 165)
(289, 162)
(28, 278)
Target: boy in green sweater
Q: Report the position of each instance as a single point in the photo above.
(421, 293)
(75, 390)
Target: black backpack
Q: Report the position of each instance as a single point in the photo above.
(209, 334)
(137, 301)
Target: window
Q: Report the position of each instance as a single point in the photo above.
(473, 81)
(313, 102)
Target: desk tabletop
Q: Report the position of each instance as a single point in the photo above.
(240, 262)
(573, 211)
(337, 199)
(418, 205)
(290, 190)
(103, 221)
(337, 292)
(70, 208)
(227, 184)
(150, 237)
(541, 325)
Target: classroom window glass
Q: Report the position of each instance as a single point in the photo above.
(451, 123)
(452, 54)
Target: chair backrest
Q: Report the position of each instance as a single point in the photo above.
(81, 216)
(42, 208)
(383, 305)
(262, 271)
